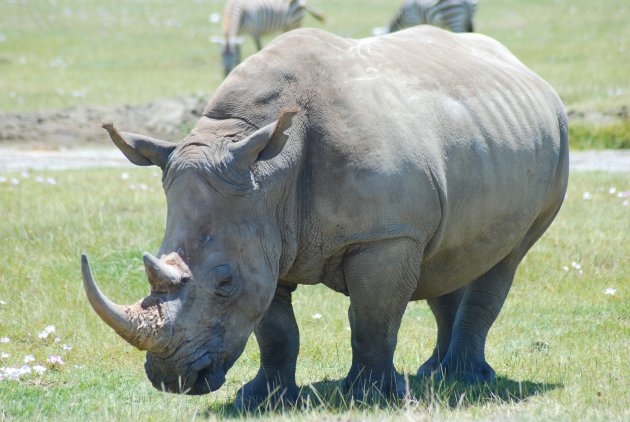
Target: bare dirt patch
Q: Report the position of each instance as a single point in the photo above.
(170, 119)
(81, 126)
(73, 137)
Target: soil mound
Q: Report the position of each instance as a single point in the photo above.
(168, 119)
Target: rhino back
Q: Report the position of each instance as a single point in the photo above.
(447, 139)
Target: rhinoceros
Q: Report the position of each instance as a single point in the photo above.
(417, 165)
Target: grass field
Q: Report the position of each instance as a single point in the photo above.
(560, 347)
(58, 53)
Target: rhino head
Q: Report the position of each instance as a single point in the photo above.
(219, 260)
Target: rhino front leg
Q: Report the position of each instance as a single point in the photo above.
(444, 309)
(479, 307)
(279, 342)
(381, 278)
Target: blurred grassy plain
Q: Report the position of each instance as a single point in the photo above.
(59, 53)
(560, 345)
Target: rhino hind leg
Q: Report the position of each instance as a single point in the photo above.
(444, 309)
(480, 305)
(279, 342)
(381, 278)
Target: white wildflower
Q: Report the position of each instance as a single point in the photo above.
(29, 358)
(317, 315)
(55, 360)
(4, 355)
(612, 190)
(625, 203)
(2, 302)
(214, 17)
(379, 30)
(124, 176)
(47, 331)
(39, 179)
(576, 265)
(51, 181)
(25, 174)
(79, 93)
(587, 196)
(66, 347)
(14, 373)
(40, 369)
(15, 181)
(5, 340)
(58, 62)
(610, 291)
(3, 179)
(565, 267)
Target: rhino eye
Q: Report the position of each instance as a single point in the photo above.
(205, 239)
(223, 278)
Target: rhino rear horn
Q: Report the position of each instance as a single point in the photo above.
(139, 149)
(166, 275)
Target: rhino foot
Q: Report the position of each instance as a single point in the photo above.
(365, 389)
(260, 395)
(429, 368)
(468, 372)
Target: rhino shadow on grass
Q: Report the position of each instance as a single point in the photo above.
(328, 395)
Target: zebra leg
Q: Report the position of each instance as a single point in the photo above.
(279, 341)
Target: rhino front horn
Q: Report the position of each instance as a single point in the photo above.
(146, 329)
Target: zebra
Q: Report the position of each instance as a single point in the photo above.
(257, 18)
(456, 15)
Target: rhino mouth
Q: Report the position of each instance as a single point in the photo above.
(205, 376)
(208, 379)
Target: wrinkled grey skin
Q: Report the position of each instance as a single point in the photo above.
(420, 165)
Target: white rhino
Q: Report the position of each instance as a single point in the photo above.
(417, 165)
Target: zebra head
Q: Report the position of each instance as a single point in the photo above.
(230, 52)
(231, 55)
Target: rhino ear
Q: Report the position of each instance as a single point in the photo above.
(141, 150)
(265, 143)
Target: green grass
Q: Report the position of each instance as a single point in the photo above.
(59, 53)
(610, 136)
(560, 346)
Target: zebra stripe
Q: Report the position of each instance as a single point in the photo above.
(258, 18)
(262, 17)
(456, 15)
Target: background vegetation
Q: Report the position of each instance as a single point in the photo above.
(57, 53)
(60, 53)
